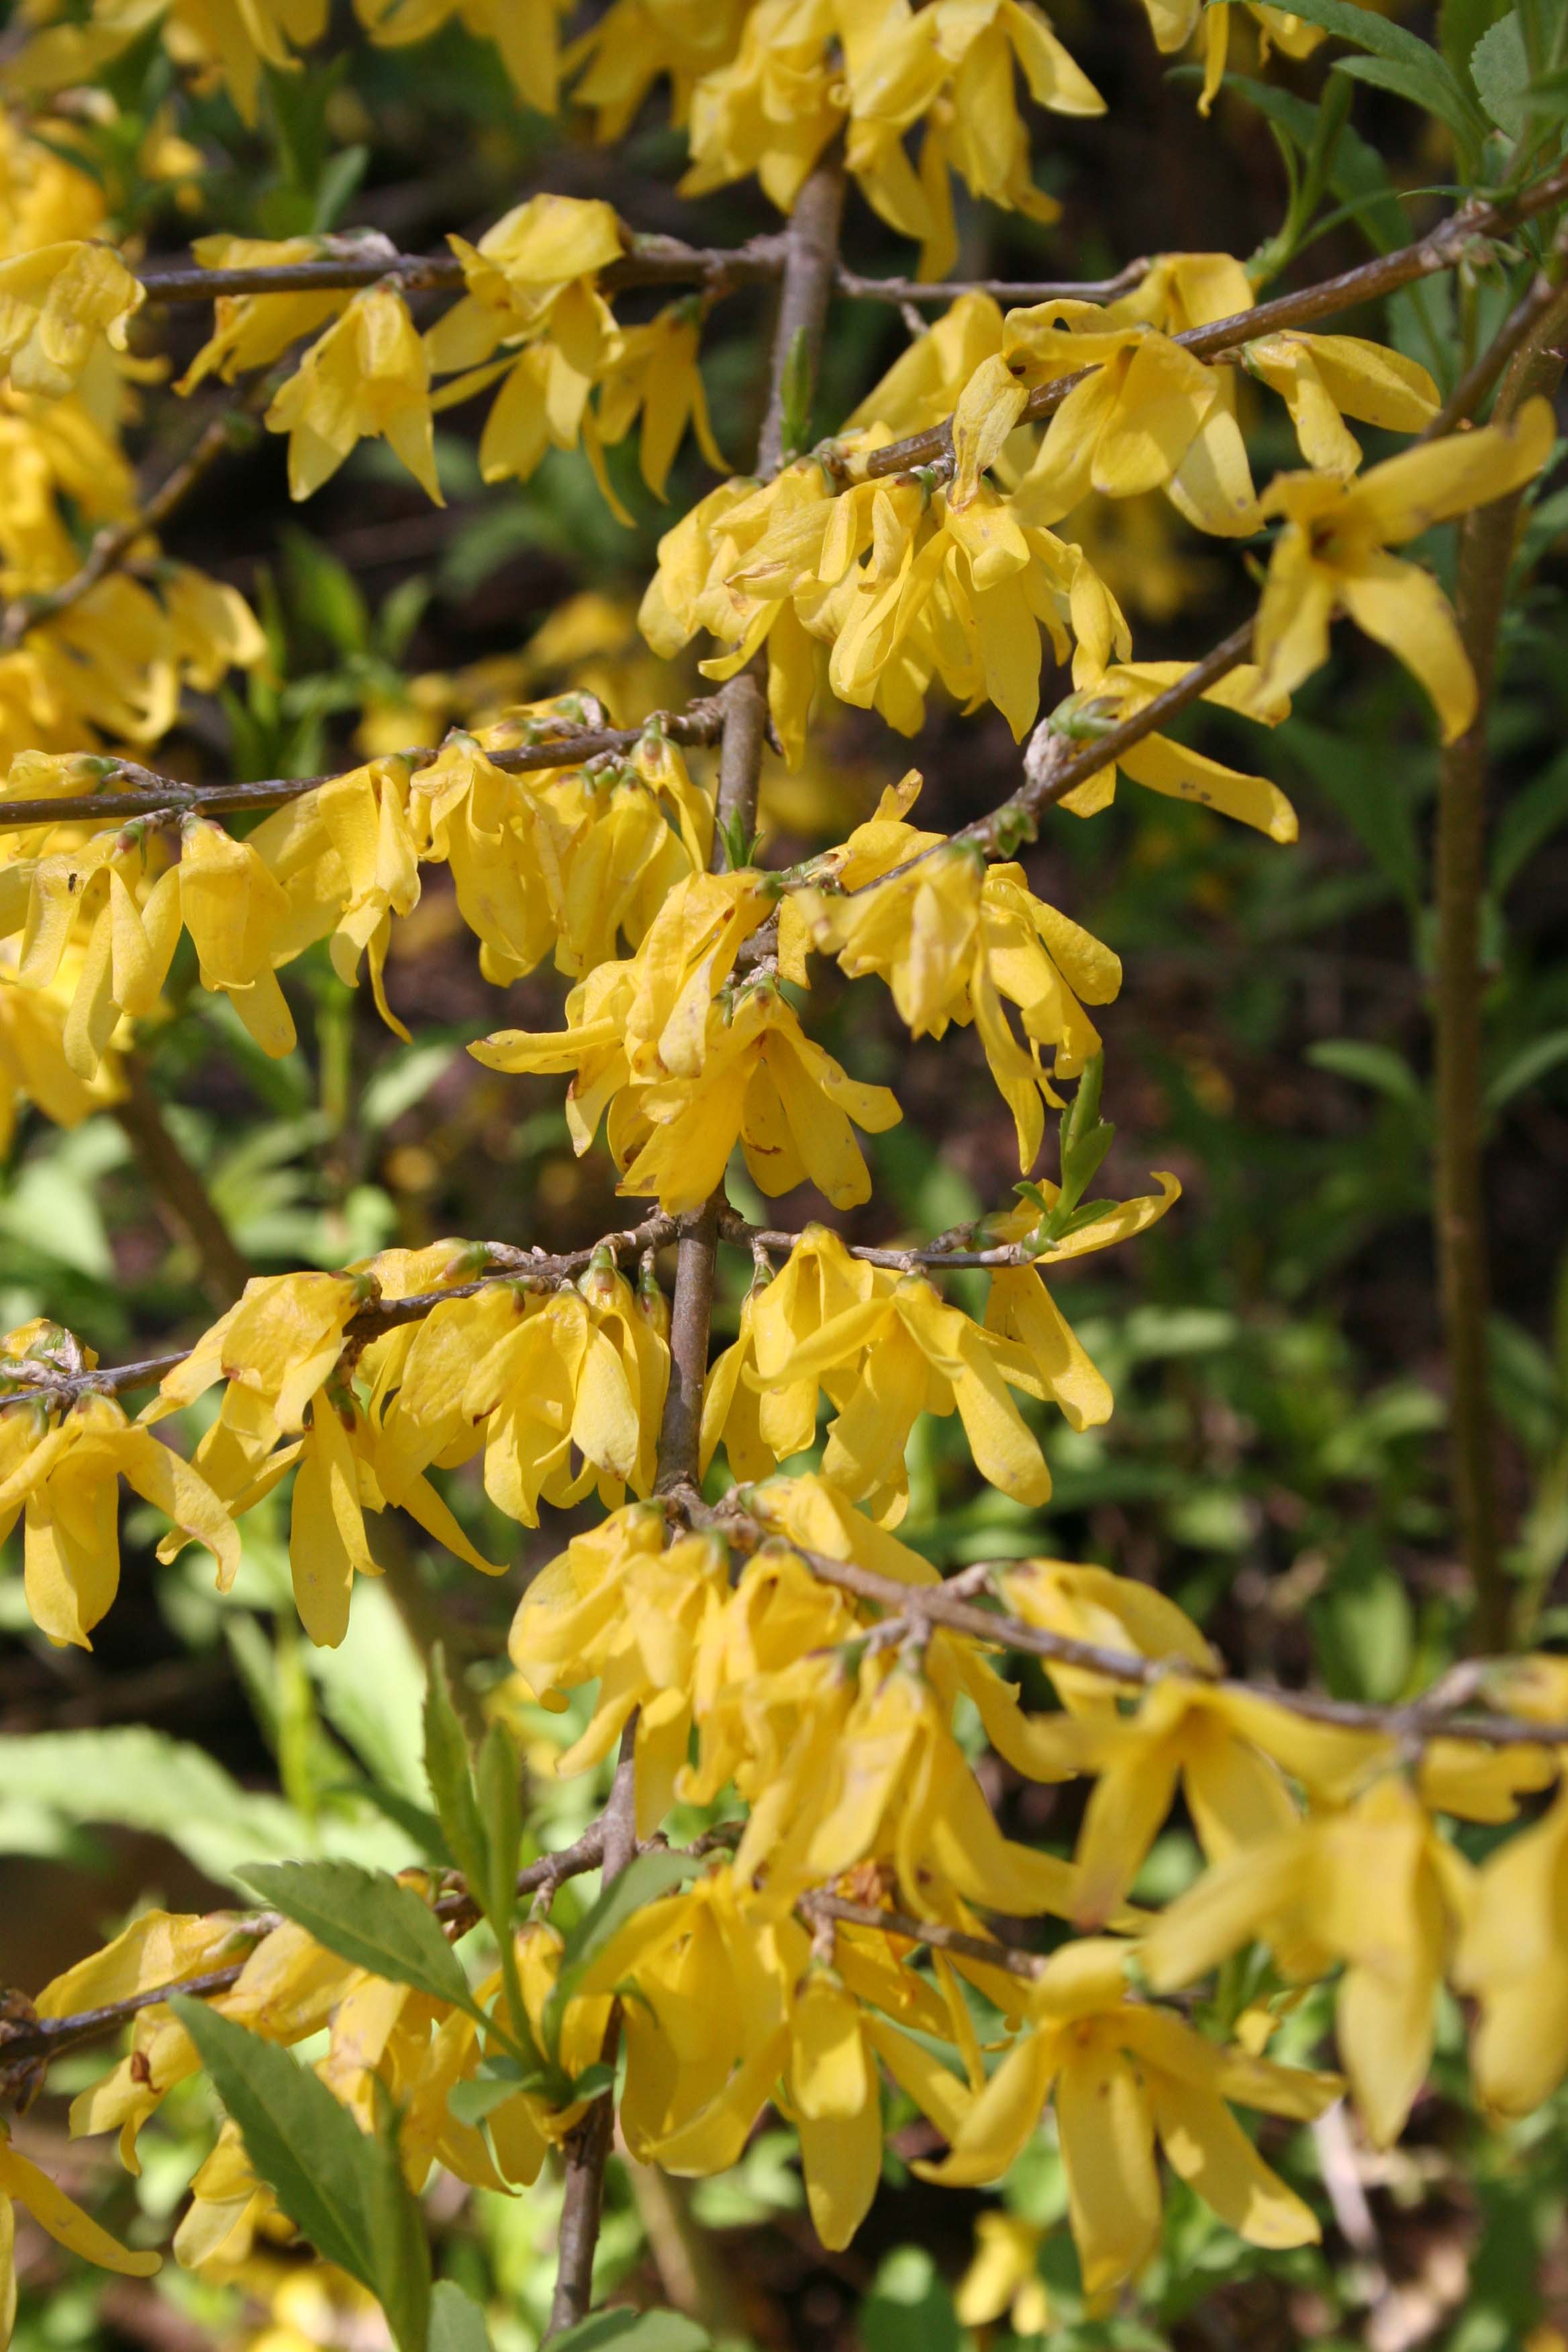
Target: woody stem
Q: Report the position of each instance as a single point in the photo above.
(811, 254)
(1485, 553)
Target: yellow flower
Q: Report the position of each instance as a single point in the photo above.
(1121, 2074)
(65, 1475)
(655, 373)
(1163, 765)
(1333, 557)
(251, 331)
(368, 375)
(1323, 379)
(21, 2183)
(533, 273)
(231, 38)
(1510, 1960)
(1373, 1886)
(899, 1352)
(1003, 2281)
(582, 1371)
(1146, 416)
(954, 937)
(525, 32)
(622, 1607)
(57, 306)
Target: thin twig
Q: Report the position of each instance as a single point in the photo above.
(552, 745)
(38, 1377)
(1441, 1714)
(931, 1932)
(1368, 282)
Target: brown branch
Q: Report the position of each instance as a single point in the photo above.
(931, 1932)
(1368, 282)
(158, 795)
(811, 249)
(535, 1268)
(1438, 1713)
(1011, 293)
(1486, 547)
(110, 547)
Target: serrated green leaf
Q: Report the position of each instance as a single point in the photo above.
(1430, 86)
(301, 2143)
(399, 2249)
(366, 1917)
(642, 1882)
(457, 2322)
(621, 2329)
(1500, 71)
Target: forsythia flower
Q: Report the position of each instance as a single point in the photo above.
(533, 274)
(234, 38)
(1333, 557)
(251, 331)
(1372, 1885)
(64, 1475)
(524, 31)
(1121, 2073)
(1003, 2281)
(953, 937)
(620, 1608)
(1163, 766)
(747, 1073)
(56, 304)
(368, 375)
(1323, 379)
(22, 2183)
(1510, 1960)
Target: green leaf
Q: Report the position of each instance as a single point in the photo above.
(642, 1882)
(1522, 1070)
(621, 2329)
(1500, 71)
(457, 2322)
(343, 2188)
(366, 1917)
(500, 1813)
(451, 1780)
(1368, 1064)
(1365, 30)
(1357, 173)
(1460, 24)
(1430, 86)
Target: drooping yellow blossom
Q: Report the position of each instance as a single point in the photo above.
(744, 1070)
(902, 1351)
(655, 374)
(1323, 379)
(534, 273)
(251, 331)
(33, 1064)
(1003, 2281)
(805, 70)
(572, 1396)
(64, 1475)
(57, 306)
(1373, 1886)
(368, 375)
(1333, 557)
(524, 31)
(954, 937)
(228, 38)
(1510, 1960)
(906, 582)
(22, 2183)
(1121, 2074)
(621, 1607)
(1163, 765)
(1146, 414)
